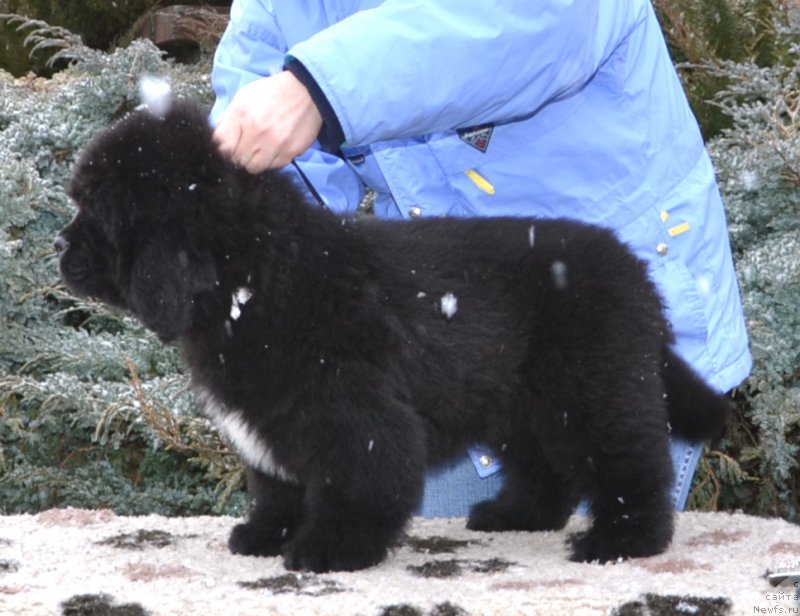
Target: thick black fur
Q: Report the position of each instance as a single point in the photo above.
(342, 380)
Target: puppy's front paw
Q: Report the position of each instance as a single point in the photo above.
(333, 551)
(250, 540)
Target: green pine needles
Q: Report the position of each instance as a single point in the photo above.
(94, 411)
(758, 164)
(742, 65)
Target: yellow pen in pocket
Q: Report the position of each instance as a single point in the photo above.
(678, 229)
(480, 181)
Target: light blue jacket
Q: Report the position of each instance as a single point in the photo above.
(548, 108)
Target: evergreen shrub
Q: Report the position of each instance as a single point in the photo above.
(758, 165)
(94, 411)
(739, 63)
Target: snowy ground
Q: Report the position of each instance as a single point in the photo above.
(93, 563)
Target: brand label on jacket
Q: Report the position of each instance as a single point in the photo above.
(477, 136)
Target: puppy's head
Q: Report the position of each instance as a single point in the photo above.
(140, 238)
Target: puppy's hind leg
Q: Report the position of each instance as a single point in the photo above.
(533, 497)
(630, 494)
(273, 520)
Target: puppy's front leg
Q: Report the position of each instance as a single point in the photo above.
(276, 514)
(358, 501)
(344, 536)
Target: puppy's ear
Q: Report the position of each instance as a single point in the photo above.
(165, 280)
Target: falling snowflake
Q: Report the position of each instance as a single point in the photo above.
(239, 298)
(750, 181)
(449, 305)
(558, 270)
(156, 94)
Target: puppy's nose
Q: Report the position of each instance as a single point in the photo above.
(60, 244)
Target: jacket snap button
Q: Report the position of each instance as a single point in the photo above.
(662, 249)
(415, 212)
(485, 461)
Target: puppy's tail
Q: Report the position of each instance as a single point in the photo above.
(696, 411)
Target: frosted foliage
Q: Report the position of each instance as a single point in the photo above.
(758, 168)
(72, 424)
(83, 99)
(21, 188)
(760, 155)
(776, 412)
(775, 263)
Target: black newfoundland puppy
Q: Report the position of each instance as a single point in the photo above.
(343, 357)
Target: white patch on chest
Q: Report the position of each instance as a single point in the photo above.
(253, 449)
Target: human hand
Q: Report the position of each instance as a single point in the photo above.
(268, 123)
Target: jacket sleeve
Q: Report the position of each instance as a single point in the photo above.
(411, 67)
(254, 47)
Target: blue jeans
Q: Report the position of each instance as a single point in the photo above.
(452, 490)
